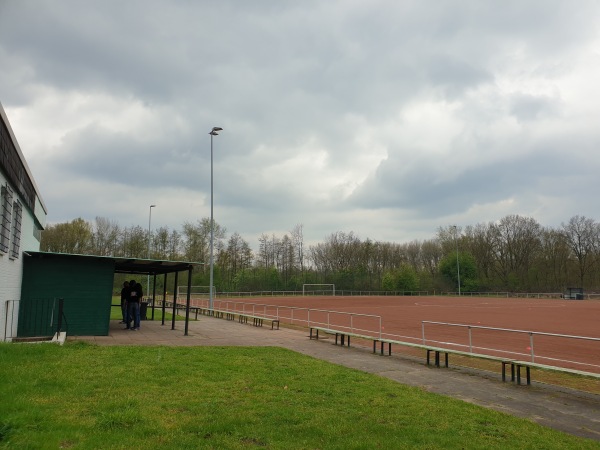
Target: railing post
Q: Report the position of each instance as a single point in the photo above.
(423, 331)
(470, 340)
(531, 346)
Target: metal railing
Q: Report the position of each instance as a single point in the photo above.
(365, 324)
(10, 319)
(37, 318)
(558, 350)
(359, 293)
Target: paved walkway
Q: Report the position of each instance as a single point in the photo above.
(567, 410)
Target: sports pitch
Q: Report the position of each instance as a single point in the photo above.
(523, 329)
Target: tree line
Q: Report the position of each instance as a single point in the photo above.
(514, 254)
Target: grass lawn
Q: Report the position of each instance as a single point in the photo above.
(86, 396)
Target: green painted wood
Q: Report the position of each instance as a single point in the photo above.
(84, 284)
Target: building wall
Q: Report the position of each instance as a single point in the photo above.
(32, 222)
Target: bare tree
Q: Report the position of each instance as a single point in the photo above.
(553, 267)
(237, 256)
(479, 241)
(160, 240)
(196, 240)
(173, 246)
(517, 239)
(135, 242)
(298, 245)
(105, 237)
(582, 236)
(431, 254)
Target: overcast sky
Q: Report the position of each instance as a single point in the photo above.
(385, 118)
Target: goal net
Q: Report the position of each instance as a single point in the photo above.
(196, 292)
(318, 289)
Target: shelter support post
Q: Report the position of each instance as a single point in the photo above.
(174, 301)
(164, 302)
(187, 304)
(153, 294)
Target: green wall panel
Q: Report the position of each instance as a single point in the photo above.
(85, 284)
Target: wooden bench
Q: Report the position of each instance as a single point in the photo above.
(515, 365)
(257, 321)
(437, 351)
(528, 365)
(343, 336)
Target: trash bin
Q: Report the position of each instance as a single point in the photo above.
(143, 310)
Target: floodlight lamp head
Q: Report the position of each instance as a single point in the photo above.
(217, 129)
(213, 133)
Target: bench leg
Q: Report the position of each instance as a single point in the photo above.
(528, 375)
(446, 359)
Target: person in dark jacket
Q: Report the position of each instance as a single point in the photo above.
(135, 297)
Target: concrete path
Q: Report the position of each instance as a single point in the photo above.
(571, 411)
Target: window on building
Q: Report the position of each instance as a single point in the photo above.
(6, 195)
(16, 229)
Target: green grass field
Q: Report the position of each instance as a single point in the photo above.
(84, 396)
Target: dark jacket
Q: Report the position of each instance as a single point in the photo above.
(125, 294)
(136, 294)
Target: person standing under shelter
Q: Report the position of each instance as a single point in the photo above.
(124, 299)
(135, 297)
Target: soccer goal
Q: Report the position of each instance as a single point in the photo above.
(318, 289)
(196, 292)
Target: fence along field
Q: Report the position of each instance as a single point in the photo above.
(556, 332)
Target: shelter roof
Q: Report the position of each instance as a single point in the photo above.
(126, 265)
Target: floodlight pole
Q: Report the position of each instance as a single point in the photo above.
(148, 254)
(212, 133)
(457, 263)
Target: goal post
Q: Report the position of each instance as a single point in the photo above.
(318, 289)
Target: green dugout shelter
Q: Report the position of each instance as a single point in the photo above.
(85, 283)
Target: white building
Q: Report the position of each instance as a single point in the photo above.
(22, 219)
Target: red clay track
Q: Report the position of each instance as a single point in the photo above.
(403, 316)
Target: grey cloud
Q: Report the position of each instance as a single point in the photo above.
(435, 195)
(527, 107)
(284, 78)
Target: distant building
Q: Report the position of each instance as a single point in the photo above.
(22, 219)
